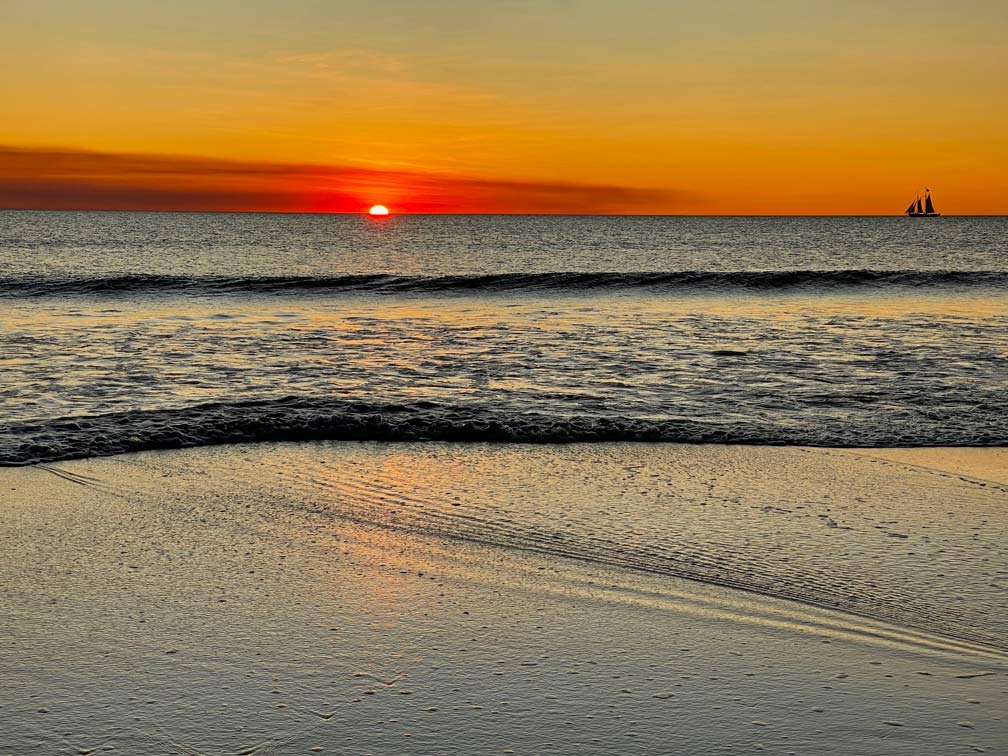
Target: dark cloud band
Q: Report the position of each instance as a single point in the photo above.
(45, 178)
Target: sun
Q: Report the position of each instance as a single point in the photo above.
(378, 210)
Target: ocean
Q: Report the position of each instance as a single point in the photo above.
(132, 331)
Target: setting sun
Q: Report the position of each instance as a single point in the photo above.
(378, 210)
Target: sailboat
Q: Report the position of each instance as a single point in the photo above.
(917, 210)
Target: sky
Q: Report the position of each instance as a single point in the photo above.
(590, 106)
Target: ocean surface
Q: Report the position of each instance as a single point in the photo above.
(132, 331)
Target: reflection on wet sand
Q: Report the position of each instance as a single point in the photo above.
(249, 598)
(801, 524)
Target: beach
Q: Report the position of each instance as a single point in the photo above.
(377, 598)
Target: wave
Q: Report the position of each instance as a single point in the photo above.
(499, 283)
(311, 418)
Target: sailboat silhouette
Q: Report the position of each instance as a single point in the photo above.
(917, 210)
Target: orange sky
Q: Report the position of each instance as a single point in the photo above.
(575, 106)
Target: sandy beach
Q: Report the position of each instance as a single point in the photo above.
(418, 599)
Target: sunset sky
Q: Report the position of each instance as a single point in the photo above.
(637, 106)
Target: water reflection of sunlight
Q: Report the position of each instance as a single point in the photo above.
(638, 354)
(489, 515)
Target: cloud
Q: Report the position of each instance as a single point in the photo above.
(54, 178)
(340, 62)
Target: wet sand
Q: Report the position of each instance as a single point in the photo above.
(391, 599)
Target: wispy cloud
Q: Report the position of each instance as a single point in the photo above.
(54, 178)
(349, 60)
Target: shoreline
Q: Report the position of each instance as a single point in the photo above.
(293, 420)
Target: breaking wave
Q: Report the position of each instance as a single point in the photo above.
(504, 282)
(309, 419)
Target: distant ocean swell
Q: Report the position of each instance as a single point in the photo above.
(506, 282)
(307, 419)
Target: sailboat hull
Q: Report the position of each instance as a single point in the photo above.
(923, 215)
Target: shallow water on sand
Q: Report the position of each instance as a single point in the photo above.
(921, 548)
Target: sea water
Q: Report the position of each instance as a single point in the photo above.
(129, 331)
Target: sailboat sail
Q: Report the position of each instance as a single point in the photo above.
(922, 208)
